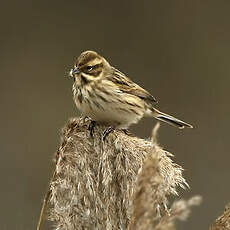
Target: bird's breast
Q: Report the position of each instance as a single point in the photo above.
(108, 105)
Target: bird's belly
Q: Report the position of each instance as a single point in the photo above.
(109, 113)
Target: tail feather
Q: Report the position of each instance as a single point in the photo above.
(170, 120)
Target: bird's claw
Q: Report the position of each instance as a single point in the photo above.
(91, 127)
(107, 132)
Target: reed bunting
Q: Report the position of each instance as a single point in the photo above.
(108, 96)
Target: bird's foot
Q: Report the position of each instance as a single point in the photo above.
(85, 118)
(91, 127)
(127, 132)
(107, 132)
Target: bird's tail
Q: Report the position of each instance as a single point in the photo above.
(170, 119)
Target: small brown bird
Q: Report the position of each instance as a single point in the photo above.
(108, 96)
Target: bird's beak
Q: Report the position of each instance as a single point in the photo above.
(74, 71)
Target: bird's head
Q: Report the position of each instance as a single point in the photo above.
(90, 66)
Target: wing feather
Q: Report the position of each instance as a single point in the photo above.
(126, 85)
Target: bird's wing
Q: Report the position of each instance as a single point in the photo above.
(126, 85)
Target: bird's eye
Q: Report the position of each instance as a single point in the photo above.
(89, 67)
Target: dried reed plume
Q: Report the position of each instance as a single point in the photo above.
(222, 222)
(122, 183)
(155, 181)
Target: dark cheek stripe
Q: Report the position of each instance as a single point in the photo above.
(84, 80)
(95, 73)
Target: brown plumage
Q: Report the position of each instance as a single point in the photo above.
(108, 96)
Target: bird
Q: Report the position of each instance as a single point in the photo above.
(109, 97)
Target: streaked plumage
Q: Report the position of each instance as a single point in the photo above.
(108, 96)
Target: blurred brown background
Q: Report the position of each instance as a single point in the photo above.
(178, 50)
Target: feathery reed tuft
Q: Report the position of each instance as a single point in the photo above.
(222, 222)
(149, 205)
(121, 183)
